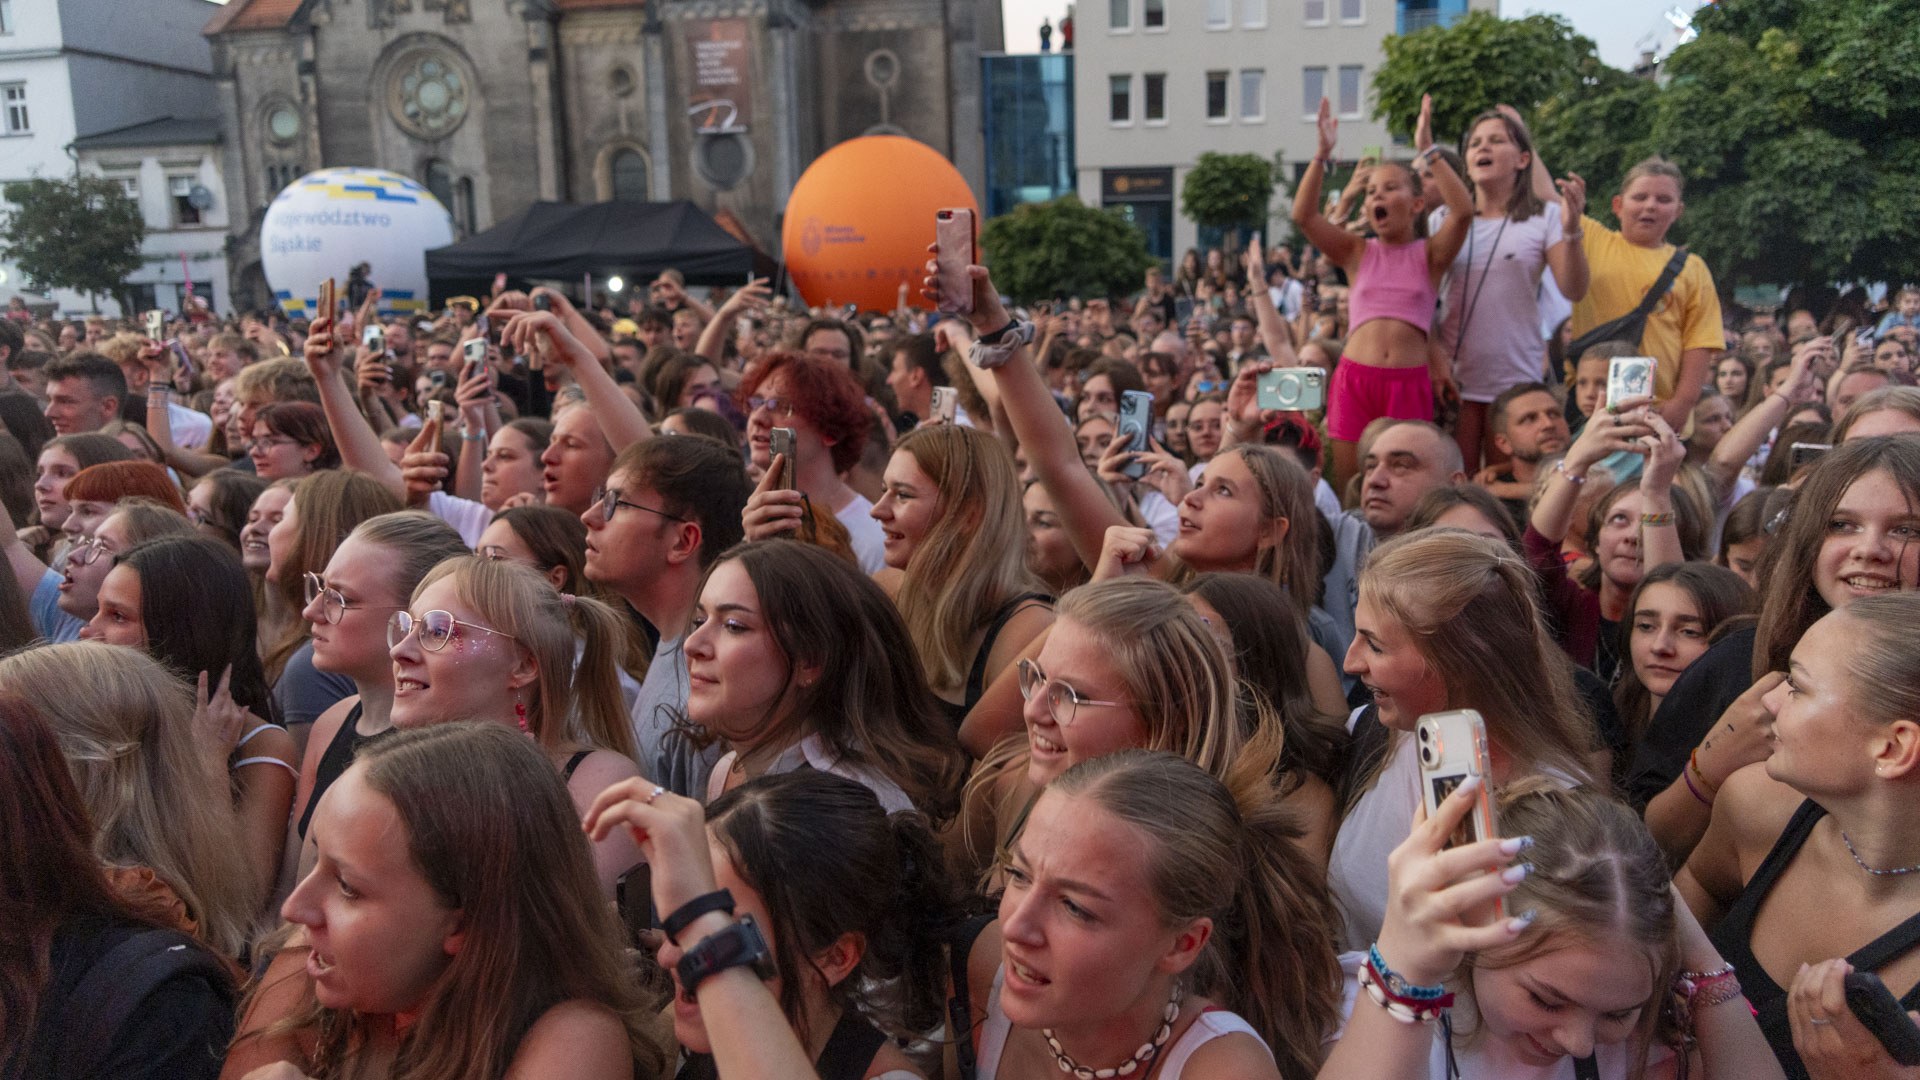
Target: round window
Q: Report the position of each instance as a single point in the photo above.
(283, 124)
(427, 94)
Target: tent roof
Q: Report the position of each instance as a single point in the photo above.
(563, 241)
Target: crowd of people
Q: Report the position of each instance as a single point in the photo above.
(487, 695)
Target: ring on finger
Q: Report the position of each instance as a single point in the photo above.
(655, 793)
(1821, 1020)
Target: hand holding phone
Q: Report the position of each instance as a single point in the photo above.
(1629, 377)
(780, 442)
(946, 405)
(1136, 417)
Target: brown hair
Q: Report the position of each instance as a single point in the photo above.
(304, 423)
(1789, 601)
(1718, 593)
(327, 506)
(1523, 203)
(1224, 848)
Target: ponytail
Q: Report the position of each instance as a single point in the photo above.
(597, 704)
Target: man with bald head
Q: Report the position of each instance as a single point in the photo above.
(1405, 461)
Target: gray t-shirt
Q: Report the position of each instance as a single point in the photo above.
(667, 756)
(48, 620)
(304, 691)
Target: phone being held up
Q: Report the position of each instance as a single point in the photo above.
(953, 231)
(1453, 747)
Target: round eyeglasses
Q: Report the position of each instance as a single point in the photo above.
(85, 552)
(435, 628)
(609, 500)
(333, 604)
(1063, 701)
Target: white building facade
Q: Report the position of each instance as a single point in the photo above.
(1159, 82)
(76, 71)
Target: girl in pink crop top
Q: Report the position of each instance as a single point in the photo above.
(1395, 276)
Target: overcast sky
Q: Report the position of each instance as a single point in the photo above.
(1620, 27)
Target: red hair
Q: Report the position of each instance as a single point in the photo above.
(826, 394)
(116, 480)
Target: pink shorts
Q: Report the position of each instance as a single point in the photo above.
(1362, 393)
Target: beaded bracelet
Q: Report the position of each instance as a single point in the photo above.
(1404, 1009)
(1656, 520)
(1396, 983)
(1571, 477)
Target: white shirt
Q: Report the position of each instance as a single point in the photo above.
(814, 753)
(190, 428)
(869, 541)
(1494, 285)
(467, 517)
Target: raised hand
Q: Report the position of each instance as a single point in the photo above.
(672, 834)
(1328, 127)
(1573, 202)
(1126, 549)
(773, 511)
(1423, 127)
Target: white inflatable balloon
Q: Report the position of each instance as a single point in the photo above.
(326, 223)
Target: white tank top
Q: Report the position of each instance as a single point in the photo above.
(1205, 1028)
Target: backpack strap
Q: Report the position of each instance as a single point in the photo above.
(117, 983)
(1662, 284)
(960, 1005)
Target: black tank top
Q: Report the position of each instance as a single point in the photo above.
(346, 742)
(1733, 936)
(977, 675)
(848, 1054)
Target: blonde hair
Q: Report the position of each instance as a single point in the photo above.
(328, 505)
(1286, 492)
(1900, 399)
(1885, 657)
(1599, 878)
(1223, 847)
(573, 701)
(973, 559)
(157, 799)
(1437, 581)
(1654, 166)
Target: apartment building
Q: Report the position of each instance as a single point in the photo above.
(1159, 82)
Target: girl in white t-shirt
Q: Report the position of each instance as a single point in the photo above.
(1589, 969)
(1490, 326)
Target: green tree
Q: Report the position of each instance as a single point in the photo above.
(1225, 191)
(1798, 128)
(81, 233)
(1064, 247)
(1599, 132)
(1479, 61)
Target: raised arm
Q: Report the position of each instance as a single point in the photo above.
(360, 447)
(1742, 440)
(1538, 176)
(1274, 332)
(619, 417)
(1336, 243)
(1606, 432)
(1659, 532)
(713, 337)
(1446, 243)
(1043, 433)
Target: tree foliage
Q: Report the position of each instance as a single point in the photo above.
(1064, 247)
(1479, 61)
(1797, 126)
(80, 233)
(1226, 190)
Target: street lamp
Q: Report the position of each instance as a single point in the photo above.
(616, 283)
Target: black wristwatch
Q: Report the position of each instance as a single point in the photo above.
(739, 945)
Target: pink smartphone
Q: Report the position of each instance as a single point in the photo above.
(953, 231)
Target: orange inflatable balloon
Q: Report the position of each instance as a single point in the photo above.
(861, 217)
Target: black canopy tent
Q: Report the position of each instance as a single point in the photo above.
(551, 241)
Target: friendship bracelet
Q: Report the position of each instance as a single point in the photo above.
(1704, 801)
(1656, 520)
(1405, 1010)
(1396, 984)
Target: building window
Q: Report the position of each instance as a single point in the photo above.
(130, 185)
(1156, 98)
(6, 16)
(1313, 89)
(1219, 14)
(279, 177)
(1353, 11)
(1216, 95)
(14, 97)
(439, 181)
(1316, 11)
(1349, 103)
(1155, 14)
(464, 210)
(180, 190)
(629, 177)
(1120, 14)
(1253, 14)
(1120, 99)
(1253, 94)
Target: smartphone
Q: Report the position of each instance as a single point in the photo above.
(470, 367)
(436, 419)
(156, 325)
(374, 337)
(1881, 1013)
(1182, 310)
(324, 309)
(633, 897)
(1864, 336)
(543, 302)
(474, 350)
(437, 380)
(1802, 454)
(1629, 377)
(781, 442)
(1136, 417)
(946, 402)
(1453, 747)
(953, 231)
(1293, 389)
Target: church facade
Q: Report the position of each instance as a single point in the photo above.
(493, 104)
